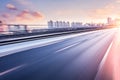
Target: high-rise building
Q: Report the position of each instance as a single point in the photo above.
(67, 24)
(1, 27)
(56, 24)
(60, 24)
(109, 21)
(76, 24)
(73, 24)
(63, 24)
(50, 24)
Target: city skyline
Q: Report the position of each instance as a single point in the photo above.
(24, 11)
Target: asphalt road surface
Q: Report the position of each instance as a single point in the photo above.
(74, 57)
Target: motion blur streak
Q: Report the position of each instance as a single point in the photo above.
(78, 57)
(111, 68)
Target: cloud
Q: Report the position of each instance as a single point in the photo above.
(11, 7)
(36, 14)
(30, 17)
(110, 10)
(24, 14)
(23, 17)
(5, 15)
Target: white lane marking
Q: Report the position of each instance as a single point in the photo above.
(10, 70)
(66, 47)
(103, 60)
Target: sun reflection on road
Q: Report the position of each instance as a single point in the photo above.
(110, 70)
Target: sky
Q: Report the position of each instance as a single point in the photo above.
(41, 11)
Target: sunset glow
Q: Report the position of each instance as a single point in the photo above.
(39, 11)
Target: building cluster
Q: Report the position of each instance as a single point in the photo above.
(3, 28)
(58, 24)
(113, 22)
(76, 24)
(17, 29)
(110, 21)
(12, 29)
(63, 24)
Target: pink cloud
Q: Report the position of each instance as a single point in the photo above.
(37, 14)
(27, 16)
(23, 14)
(23, 17)
(5, 15)
(11, 7)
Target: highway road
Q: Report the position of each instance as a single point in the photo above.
(82, 56)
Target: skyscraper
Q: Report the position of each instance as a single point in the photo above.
(109, 21)
(50, 24)
(1, 27)
(67, 24)
(76, 24)
(56, 24)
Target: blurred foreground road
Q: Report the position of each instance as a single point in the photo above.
(85, 56)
